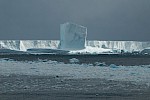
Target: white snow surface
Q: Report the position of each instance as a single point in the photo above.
(91, 50)
(23, 45)
(137, 74)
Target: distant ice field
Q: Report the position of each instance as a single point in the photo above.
(135, 74)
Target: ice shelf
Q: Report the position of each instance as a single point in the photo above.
(23, 45)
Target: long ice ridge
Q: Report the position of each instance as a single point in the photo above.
(23, 45)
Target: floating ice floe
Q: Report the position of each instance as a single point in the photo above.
(74, 60)
(140, 74)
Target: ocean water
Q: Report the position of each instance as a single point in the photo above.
(75, 77)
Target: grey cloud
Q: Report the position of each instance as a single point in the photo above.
(105, 19)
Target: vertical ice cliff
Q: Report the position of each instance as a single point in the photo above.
(49, 44)
(23, 45)
(120, 45)
(72, 36)
(10, 44)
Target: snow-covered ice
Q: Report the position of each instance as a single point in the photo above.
(91, 50)
(137, 74)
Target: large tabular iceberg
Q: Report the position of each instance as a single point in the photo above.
(73, 40)
(23, 45)
(72, 36)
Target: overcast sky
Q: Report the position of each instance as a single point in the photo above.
(105, 19)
